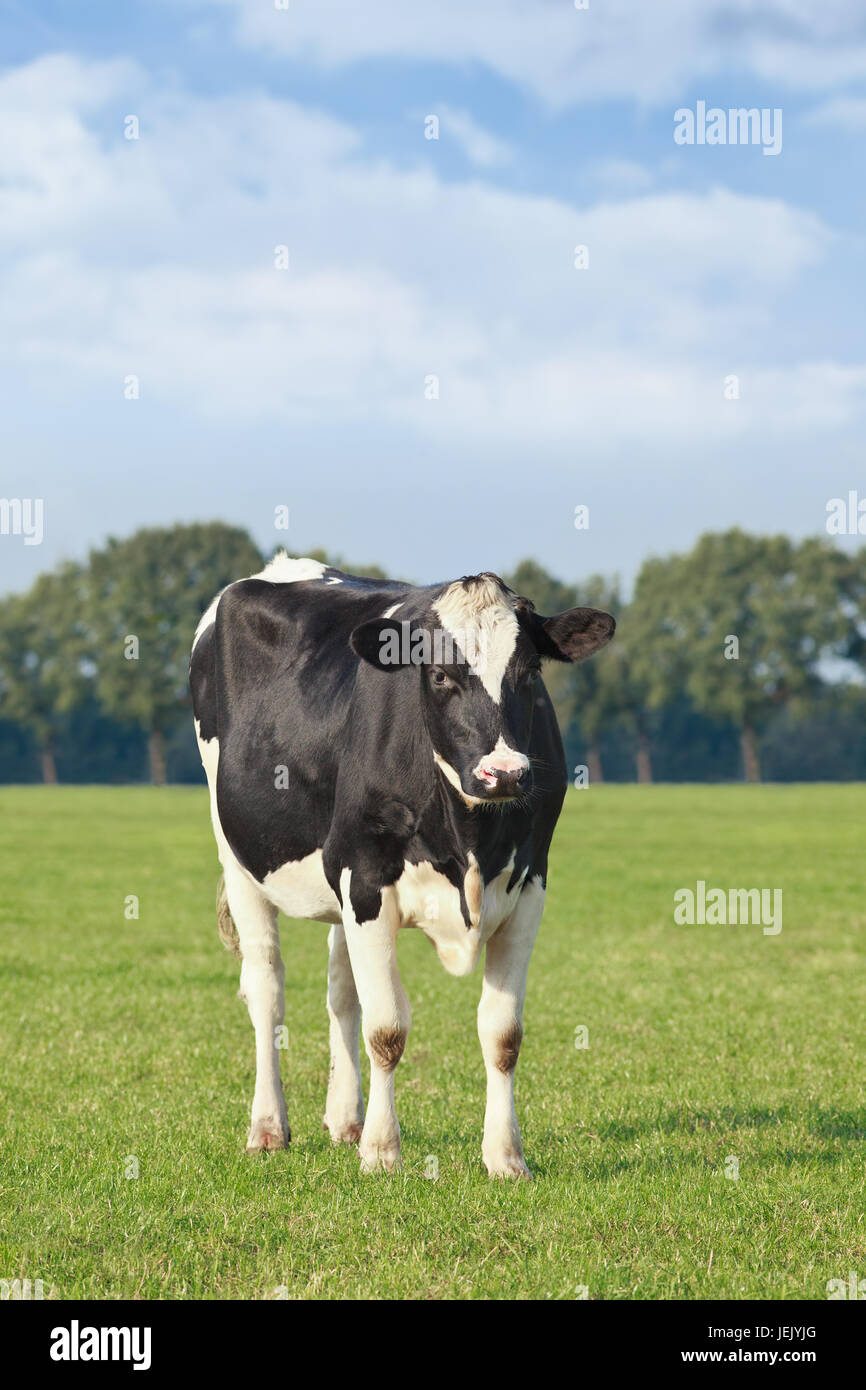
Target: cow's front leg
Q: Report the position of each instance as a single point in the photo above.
(263, 987)
(500, 1030)
(344, 1110)
(386, 1018)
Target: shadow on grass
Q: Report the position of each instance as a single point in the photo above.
(551, 1155)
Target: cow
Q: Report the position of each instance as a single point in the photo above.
(381, 755)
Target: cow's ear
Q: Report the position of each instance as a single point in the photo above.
(383, 643)
(575, 635)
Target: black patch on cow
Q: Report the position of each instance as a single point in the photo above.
(201, 680)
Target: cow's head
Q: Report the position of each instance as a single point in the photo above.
(477, 651)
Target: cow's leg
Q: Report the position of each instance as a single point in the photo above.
(344, 1110)
(263, 987)
(386, 1019)
(500, 1030)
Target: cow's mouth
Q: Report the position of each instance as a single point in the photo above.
(512, 786)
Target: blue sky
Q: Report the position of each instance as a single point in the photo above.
(411, 258)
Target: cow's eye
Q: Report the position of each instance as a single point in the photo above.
(533, 675)
(439, 678)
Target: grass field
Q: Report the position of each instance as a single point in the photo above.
(124, 1039)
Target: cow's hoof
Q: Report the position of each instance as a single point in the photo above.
(508, 1166)
(349, 1133)
(378, 1160)
(266, 1138)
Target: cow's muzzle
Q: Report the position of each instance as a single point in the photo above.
(503, 777)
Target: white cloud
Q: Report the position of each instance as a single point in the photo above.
(566, 56)
(155, 257)
(622, 176)
(480, 147)
(63, 84)
(844, 113)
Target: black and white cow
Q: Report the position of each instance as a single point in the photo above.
(383, 756)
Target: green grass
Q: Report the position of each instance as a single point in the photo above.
(125, 1038)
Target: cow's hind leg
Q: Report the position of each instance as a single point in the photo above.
(344, 1110)
(263, 988)
(500, 1031)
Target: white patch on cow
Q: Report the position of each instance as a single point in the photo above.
(482, 609)
(473, 891)
(427, 899)
(209, 752)
(299, 889)
(499, 899)
(282, 569)
(207, 617)
(389, 612)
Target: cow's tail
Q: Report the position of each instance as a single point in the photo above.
(225, 921)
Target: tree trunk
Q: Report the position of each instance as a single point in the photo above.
(751, 757)
(593, 764)
(156, 754)
(49, 767)
(644, 762)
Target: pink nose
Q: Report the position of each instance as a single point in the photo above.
(505, 770)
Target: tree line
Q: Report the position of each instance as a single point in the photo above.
(744, 650)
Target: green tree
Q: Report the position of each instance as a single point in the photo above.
(743, 624)
(623, 698)
(855, 605)
(599, 697)
(42, 676)
(145, 597)
(649, 666)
